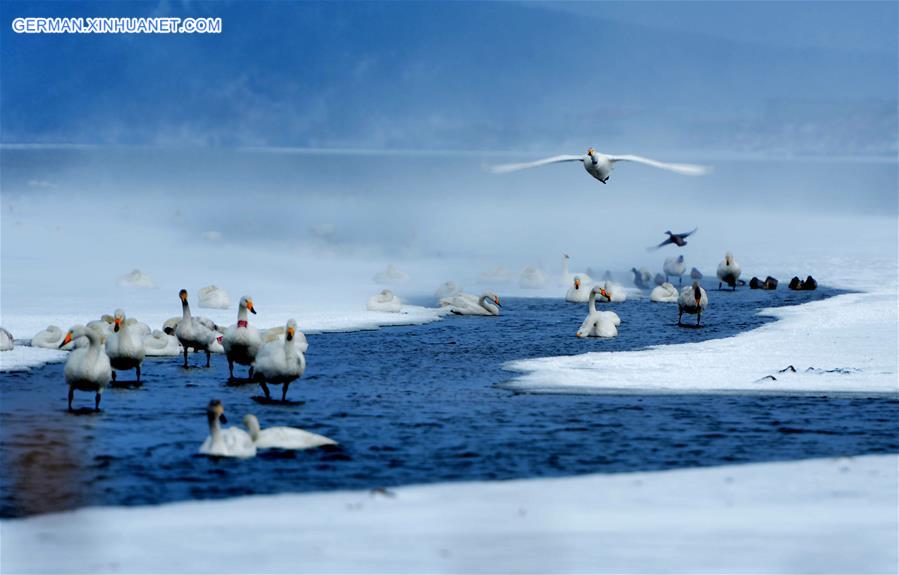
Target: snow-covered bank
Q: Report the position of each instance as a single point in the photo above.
(23, 357)
(815, 516)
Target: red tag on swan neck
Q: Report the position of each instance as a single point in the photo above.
(242, 323)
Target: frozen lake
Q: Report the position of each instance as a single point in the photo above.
(419, 404)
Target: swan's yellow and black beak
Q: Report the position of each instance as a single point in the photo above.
(577, 283)
(591, 151)
(118, 323)
(250, 306)
(605, 294)
(183, 295)
(66, 340)
(290, 332)
(496, 301)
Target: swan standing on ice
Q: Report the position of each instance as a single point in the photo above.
(728, 271)
(599, 323)
(665, 293)
(87, 367)
(283, 437)
(227, 442)
(467, 304)
(6, 340)
(124, 346)
(579, 292)
(674, 267)
(159, 344)
(568, 277)
(192, 333)
(242, 341)
(600, 165)
(693, 300)
(280, 363)
(213, 297)
(49, 338)
(385, 301)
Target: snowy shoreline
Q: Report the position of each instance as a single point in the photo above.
(820, 515)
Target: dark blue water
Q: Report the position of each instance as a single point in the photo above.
(417, 404)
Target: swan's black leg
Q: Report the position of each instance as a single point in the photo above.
(680, 315)
(97, 402)
(265, 390)
(252, 371)
(208, 358)
(230, 369)
(719, 286)
(71, 397)
(113, 375)
(185, 357)
(698, 316)
(138, 373)
(284, 392)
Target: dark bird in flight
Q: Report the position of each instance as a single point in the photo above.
(676, 239)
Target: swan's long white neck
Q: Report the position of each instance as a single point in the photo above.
(185, 311)
(242, 313)
(253, 427)
(486, 302)
(214, 429)
(591, 303)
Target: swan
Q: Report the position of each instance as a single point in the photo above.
(531, 278)
(680, 240)
(579, 292)
(87, 367)
(227, 442)
(160, 343)
(615, 292)
(728, 271)
(6, 340)
(658, 279)
(280, 363)
(642, 277)
(695, 274)
(125, 346)
(193, 333)
(600, 165)
(674, 267)
(279, 334)
(665, 293)
(283, 437)
(385, 301)
(447, 289)
(467, 304)
(139, 327)
(242, 341)
(50, 337)
(568, 277)
(390, 275)
(693, 300)
(213, 297)
(136, 279)
(599, 323)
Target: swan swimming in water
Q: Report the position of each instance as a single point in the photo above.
(599, 323)
(728, 271)
(665, 293)
(227, 442)
(87, 367)
(693, 300)
(124, 346)
(161, 344)
(385, 301)
(212, 297)
(280, 363)
(6, 340)
(600, 165)
(579, 292)
(242, 341)
(674, 267)
(283, 437)
(467, 304)
(192, 333)
(616, 293)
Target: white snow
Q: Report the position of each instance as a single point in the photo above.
(22, 357)
(824, 515)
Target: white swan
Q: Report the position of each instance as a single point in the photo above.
(139, 327)
(283, 437)
(467, 304)
(614, 292)
(125, 346)
(390, 275)
(192, 333)
(242, 341)
(599, 323)
(665, 293)
(6, 340)
(531, 278)
(213, 297)
(87, 367)
(568, 276)
(600, 165)
(160, 344)
(385, 301)
(49, 338)
(137, 279)
(280, 363)
(693, 300)
(447, 289)
(227, 442)
(728, 271)
(279, 334)
(579, 292)
(674, 267)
